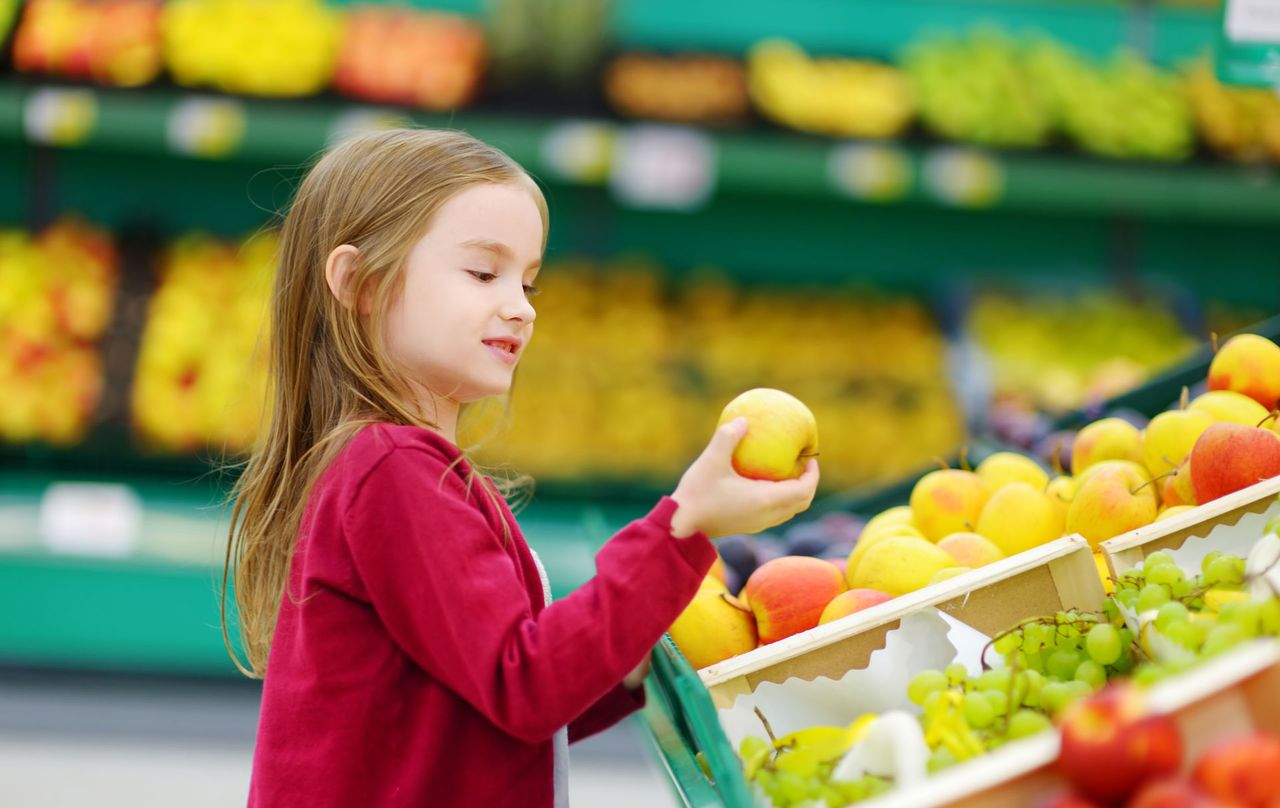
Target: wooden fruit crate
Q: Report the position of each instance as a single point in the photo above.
(1054, 576)
(1211, 523)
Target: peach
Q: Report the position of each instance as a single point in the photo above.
(713, 627)
(788, 595)
(1107, 439)
(1007, 467)
(1228, 457)
(1019, 517)
(1248, 364)
(855, 600)
(781, 434)
(1111, 501)
(948, 501)
(970, 549)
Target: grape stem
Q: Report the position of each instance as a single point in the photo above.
(768, 730)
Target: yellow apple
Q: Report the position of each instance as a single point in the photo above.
(948, 501)
(1019, 517)
(970, 549)
(713, 627)
(1248, 364)
(1228, 405)
(1107, 439)
(1007, 467)
(900, 564)
(1168, 439)
(897, 515)
(781, 434)
(1111, 501)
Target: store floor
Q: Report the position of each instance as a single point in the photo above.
(76, 740)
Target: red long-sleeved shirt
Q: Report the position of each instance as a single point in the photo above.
(414, 662)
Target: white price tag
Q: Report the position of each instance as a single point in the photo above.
(664, 167)
(103, 519)
(875, 172)
(1253, 21)
(206, 127)
(964, 178)
(580, 151)
(362, 120)
(60, 116)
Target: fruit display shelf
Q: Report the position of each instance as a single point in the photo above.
(138, 592)
(1226, 697)
(599, 152)
(1058, 575)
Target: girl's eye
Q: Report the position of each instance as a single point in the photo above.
(531, 291)
(483, 277)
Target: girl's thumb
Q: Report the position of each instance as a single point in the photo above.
(728, 436)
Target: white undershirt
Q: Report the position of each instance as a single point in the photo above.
(560, 768)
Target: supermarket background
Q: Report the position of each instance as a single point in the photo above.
(941, 223)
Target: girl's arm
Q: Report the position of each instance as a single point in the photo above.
(450, 595)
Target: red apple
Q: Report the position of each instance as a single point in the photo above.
(788, 594)
(1243, 771)
(1068, 800)
(1110, 746)
(1172, 792)
(1229, 457)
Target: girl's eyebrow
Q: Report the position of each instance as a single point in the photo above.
(497, 248)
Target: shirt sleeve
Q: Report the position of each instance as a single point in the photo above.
(449, 594)
(611, 708)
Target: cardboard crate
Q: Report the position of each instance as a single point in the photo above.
(1043, 580)
(1235, 520)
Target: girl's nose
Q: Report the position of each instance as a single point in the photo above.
(517, 307)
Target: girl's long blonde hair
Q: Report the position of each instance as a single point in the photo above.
(329, 375)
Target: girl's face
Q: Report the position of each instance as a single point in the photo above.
(463, 319)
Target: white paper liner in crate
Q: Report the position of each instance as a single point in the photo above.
(924, 640)
(1234, 540)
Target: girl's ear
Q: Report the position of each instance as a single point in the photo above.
(338, 270)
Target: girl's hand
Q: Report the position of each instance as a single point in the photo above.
(715, 500)
(635, 679)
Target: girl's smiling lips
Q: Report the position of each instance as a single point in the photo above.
(505, 348)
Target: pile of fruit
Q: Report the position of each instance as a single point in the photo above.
(1158, 622)
(1242, 124)
(414, 58)
(958, 520)
(690, 89)
(274, 48)
(625, 367)
(836, 97)
(57, 292)
(975, 88)
(201, 370)
(1125, 108)
(115, 42)
(1056, 352)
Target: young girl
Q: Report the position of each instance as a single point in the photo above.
(384, 590)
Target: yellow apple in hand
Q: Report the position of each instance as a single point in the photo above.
(781, 434)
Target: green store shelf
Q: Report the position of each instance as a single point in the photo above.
(156, 609)
(781, 164)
